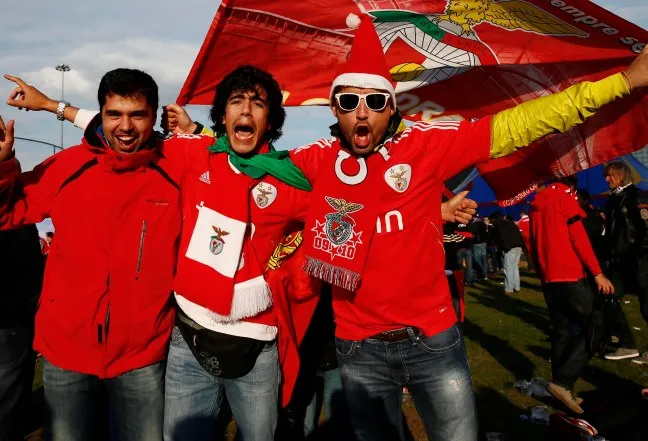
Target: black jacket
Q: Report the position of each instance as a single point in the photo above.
(625, 230)
(507, 235)
(21, 270)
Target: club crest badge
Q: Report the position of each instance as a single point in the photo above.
(264, 194)
(339, 225)
(399, 177)
(336, 235)
(217, 243)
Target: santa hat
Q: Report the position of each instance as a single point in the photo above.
(366, 66)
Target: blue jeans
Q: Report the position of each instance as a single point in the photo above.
(194, 397)
(467, 254)
(72, 403)
(16, 377)
(481, 259)
(512, 269)
(495, 258)
(434, 369)
(331, 397)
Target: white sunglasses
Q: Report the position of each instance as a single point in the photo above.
(349, 101)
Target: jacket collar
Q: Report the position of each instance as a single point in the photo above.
(115, 161)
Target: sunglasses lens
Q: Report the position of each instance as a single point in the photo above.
(376, 101)
(348, 101)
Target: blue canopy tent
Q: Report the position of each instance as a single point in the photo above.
(591, 180)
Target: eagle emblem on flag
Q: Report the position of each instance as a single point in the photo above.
(444, 45)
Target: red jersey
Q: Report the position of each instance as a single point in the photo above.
(404, 283)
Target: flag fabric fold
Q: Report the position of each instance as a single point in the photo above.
(451, 60)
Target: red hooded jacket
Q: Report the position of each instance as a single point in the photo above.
(558, 238)
(105, 307)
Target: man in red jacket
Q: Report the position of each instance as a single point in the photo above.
(104, 314)
(565, 257)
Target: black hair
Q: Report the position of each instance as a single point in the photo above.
(584, 195)
(128, 83)
(249, 79)
(49, 234)
(569, 181)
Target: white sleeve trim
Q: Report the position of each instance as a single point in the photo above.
(83, 118)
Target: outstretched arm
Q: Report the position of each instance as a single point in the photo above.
(521, 125)
(25, 96)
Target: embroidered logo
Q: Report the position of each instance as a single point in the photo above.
(217, 243)
(264, 194)
(205, 177)
(336, 235)
(399, 177)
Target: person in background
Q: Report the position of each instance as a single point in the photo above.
(523, 226)
(625, 234)
(21, 271)
(564, 253)
(509, 240)
(480, 246)
(465, 253)
(495, 255)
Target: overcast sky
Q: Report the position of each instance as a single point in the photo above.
(94, 37)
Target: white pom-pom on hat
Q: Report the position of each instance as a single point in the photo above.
(353, 21)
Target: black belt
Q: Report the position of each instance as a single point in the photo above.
(395, 335)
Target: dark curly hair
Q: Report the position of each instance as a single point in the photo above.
(247, 79)
(128, 83)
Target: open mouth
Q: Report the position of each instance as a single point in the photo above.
(126, 142)
(361, 136)
(244, 132)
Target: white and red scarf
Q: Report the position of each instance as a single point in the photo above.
(218, 267)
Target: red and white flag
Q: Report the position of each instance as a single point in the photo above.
(452, 59)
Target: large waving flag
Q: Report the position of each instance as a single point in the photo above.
(451, 59)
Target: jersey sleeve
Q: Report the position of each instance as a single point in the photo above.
(309, 157)
(451, 146)
(573, 214)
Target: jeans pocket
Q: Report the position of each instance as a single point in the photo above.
(442, 342)
(345, 348)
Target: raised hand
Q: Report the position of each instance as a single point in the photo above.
(176, 119)
(637, 72)
(27, 97)
(459, 209)
(6, 139)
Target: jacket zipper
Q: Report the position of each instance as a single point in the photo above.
(140, 255)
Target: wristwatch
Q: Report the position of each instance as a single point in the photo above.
(60, 109)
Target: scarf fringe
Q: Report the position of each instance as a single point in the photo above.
(332, 274)
(247, 302)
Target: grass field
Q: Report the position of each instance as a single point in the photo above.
(507, 340)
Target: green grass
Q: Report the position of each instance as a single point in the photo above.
(507, 340)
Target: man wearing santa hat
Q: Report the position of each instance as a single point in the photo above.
(374, 234)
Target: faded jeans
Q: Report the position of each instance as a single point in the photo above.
(435, 371)
(480, 254)
(512, 269)
(194, 397)
(73, 400)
